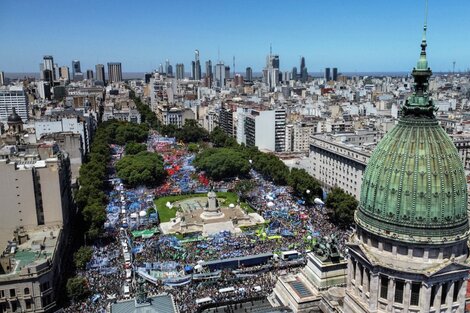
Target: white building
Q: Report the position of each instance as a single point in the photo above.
(13, 97)
(264, 129)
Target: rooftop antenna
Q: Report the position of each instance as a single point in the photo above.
(218, 54)
(234, 66)
(453, 67)
(270, 49)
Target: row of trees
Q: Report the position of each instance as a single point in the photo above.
(91, 197)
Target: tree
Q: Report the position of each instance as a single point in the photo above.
(134, 148)
(144, 168)
(223, 163)
(341, 207)
(192, 132)
(193, 147)
(82, 256)
(220, 139)
(243, 187)
(301, 181)
(77, 288)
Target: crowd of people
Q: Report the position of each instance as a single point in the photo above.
(125, 248)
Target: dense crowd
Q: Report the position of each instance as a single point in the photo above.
(291, 225)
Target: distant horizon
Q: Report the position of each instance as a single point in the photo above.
(373, 36)
(140, 75)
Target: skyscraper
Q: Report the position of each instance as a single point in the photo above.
(410, 248)
(227, 72)
(114, 72)
(303, 71)
(169, 72)
(2, 78)
(295, 75)
(249, 74)
(76, 67)
(49, 65)
(99, 69)
(209, 69)
(219, 74)
(64, 73)
(271, 71)
(327, 74)
(167, 65)
(89, 74)
(179, 71)
(335, 73)
(196, 66)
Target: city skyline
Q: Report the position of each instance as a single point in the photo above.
(379, 36)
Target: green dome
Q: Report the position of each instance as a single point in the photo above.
(414, 186)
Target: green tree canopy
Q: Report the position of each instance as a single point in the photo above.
(341, 207)
(82, 256)
(144, 168)
(301, 181)
(223, 163)
(77, 288)
(134, 148)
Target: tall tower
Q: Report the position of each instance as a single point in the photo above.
(114, 72)
(76, 67)
(196, 66)
(99, 69)
(409, 251)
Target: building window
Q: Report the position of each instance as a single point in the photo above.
(399, 288)
(415, 287)
(26, 291)
(383, 287)
(12, 293)
(28, 305)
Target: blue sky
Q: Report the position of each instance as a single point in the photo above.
(358, 35)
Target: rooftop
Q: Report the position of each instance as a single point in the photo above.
(33, 255)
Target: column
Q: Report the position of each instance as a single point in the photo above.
(450, 295)
(373, 292)
(425, 298)
(350, 271)
(461, 296)
(358, 279)
(407, 296)
(437, 298)
(365, 283)
(391, 294)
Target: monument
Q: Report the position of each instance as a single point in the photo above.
(209, 216)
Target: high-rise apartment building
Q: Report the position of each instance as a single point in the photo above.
(13, 97)
(2, 78)
(303, 71)
(89, 74)
(99, 69)
(114, 72)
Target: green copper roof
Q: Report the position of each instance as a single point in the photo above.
(414, 188)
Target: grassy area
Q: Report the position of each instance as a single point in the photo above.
(166, 214)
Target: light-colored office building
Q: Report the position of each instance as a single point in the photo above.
(13, 97)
